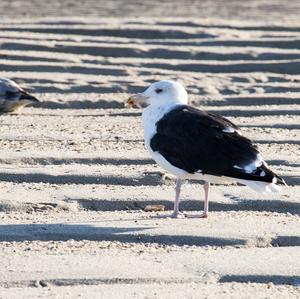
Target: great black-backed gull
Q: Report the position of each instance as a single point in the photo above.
(13, 97)
(194, 144)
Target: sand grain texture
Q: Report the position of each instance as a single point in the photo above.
(75, 177)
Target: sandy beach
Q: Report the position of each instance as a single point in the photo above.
(75, 176)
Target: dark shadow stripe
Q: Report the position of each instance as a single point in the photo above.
(64, 282)
(68, 161)
(64, 232)
(240, 204)
(128, 32)
(286, 241)
(149, 180)
(84, 104)
(275, 279)
(254, 101)
(273, 126)
(160, 53)
(276, 141)
(64, 69)
(275, 28)
(291, 67)
(249, 113)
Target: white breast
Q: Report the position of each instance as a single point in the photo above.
(151, 116)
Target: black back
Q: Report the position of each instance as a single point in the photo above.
(195, 140)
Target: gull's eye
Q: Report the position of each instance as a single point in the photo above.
(158, 90)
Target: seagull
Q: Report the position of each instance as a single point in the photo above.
(195, 144)
(13, 97)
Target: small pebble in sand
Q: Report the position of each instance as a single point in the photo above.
(154, 208)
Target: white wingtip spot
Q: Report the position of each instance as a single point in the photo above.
(252, 166)
(237, 167)
(228, 130)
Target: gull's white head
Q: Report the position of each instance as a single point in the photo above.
(160, 93)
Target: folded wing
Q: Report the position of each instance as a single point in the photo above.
(197, 141)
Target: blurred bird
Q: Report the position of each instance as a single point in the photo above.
(13, 97)
(194, 144)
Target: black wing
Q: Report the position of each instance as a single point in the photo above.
(195, 140)
(12, 95)
(20, 95)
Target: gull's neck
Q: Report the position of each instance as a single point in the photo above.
(158, 110)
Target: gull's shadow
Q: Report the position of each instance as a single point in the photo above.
(279, 206)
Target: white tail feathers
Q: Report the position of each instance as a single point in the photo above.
(262, 187)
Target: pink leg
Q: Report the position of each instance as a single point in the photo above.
(205, 212)
(176, 213)
(206, 189)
